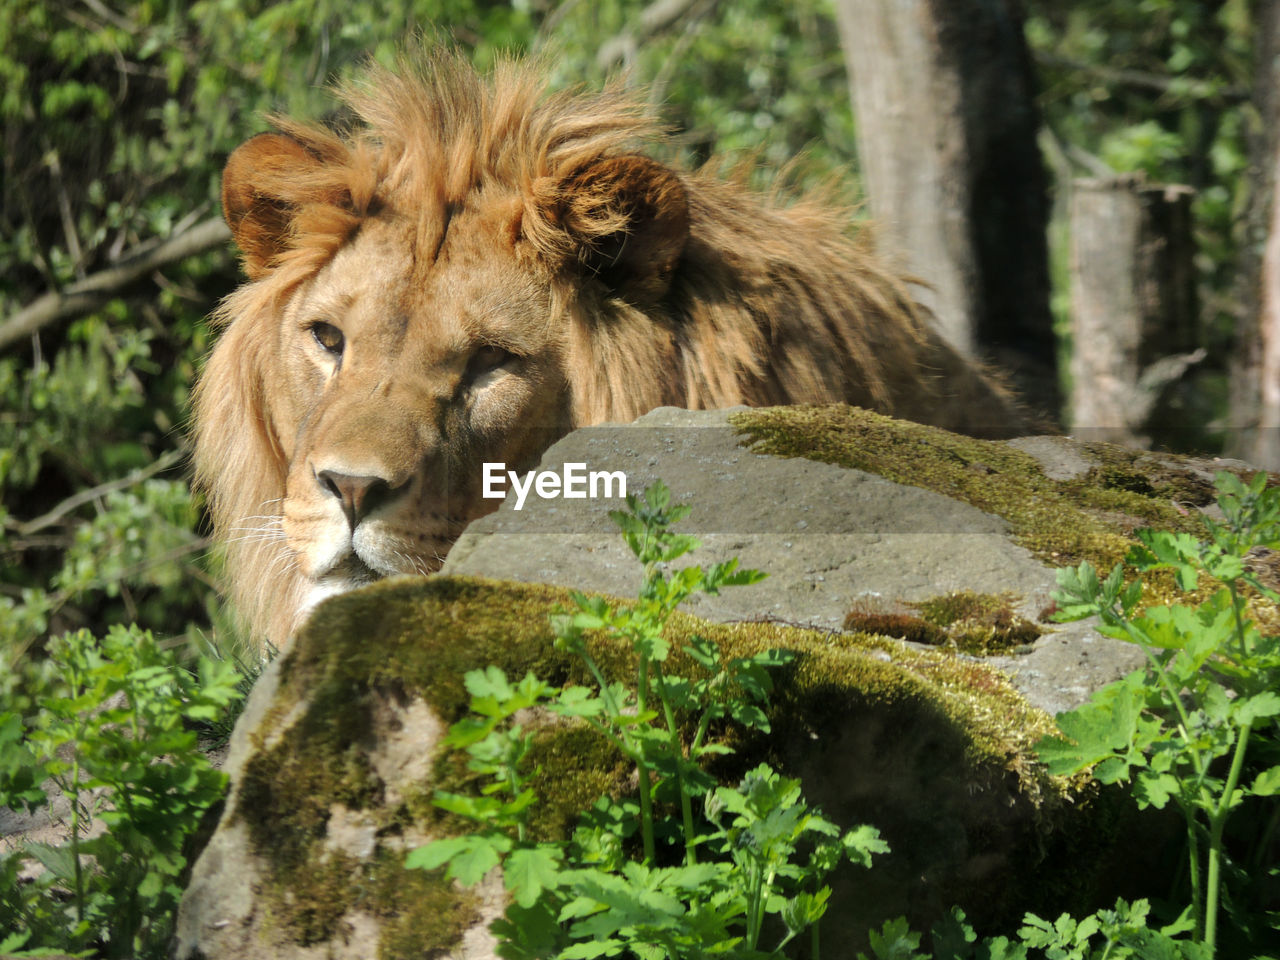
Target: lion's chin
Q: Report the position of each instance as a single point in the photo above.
(348, 575)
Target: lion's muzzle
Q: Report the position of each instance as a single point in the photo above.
(359, 496)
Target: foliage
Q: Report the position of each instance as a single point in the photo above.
(710, 885)
(112, 732)
(117, 118)
(1158, 88)
(747, 81)
(1181, 730)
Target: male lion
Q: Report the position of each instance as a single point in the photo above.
(481, 267)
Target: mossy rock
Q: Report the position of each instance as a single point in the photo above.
(335, 759)
(852, 512)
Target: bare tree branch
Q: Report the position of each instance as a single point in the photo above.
(97, 289)
(85, 496)
(1143, 80)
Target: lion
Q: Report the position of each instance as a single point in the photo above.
(479, 265)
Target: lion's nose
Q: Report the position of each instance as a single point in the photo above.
(359, 496)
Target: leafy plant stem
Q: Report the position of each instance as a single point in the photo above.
(753, 904)
(72, 790)
(513, 780)
(642, 769)
(1238, 612)
(73, 794)
(686, 803)
(610, 703)
(1171, 695)
(1193, 869)
(1203, 894)
(1217, 824)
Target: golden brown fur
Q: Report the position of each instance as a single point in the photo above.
(482, 266)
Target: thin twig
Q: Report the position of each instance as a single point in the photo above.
(111, 16)
(658, 89)
(64, 209)
(161, 464)
(96, 289)
(1182, 85)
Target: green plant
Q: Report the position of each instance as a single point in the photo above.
(1181, 729)
(111, 731)
(700, 886)
(1117, 934)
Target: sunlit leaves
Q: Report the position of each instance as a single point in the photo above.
(760, 850)
(1178, 731)
(110, 730)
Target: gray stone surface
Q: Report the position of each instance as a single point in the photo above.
(1059, 458)
(224, 915)
(829, 538)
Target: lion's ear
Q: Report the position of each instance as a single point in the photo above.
(259, 198)
(623, 219)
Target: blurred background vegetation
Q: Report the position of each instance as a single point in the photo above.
(118, 114)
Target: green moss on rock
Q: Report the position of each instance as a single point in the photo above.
(979, 624)
(413, 638)
(902, 626)
(1090, 517)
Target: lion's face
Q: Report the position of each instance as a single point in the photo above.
(411, 316)
(397, 384)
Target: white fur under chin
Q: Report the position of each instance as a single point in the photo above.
(323, 589)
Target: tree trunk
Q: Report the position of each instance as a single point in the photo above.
(942, 94)
(1133, 308)
(1255, 377)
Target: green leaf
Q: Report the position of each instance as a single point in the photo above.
(1154, 789)
(1267, 783)
(1168, 627)
(528, 871)
(861, 842)
(895, 940)
(1096, 730)
(57, 860)
(578, 702)
(474, 808)
(1257, 707)
(590, 949)
(489, 683)
(1111, 770)
(469, 857)
(805, 909)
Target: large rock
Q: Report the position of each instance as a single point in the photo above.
(335, 761)
(900, 527)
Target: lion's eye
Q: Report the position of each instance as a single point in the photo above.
(329, 337)
(486, 360)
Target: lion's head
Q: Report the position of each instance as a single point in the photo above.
(479, 267)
